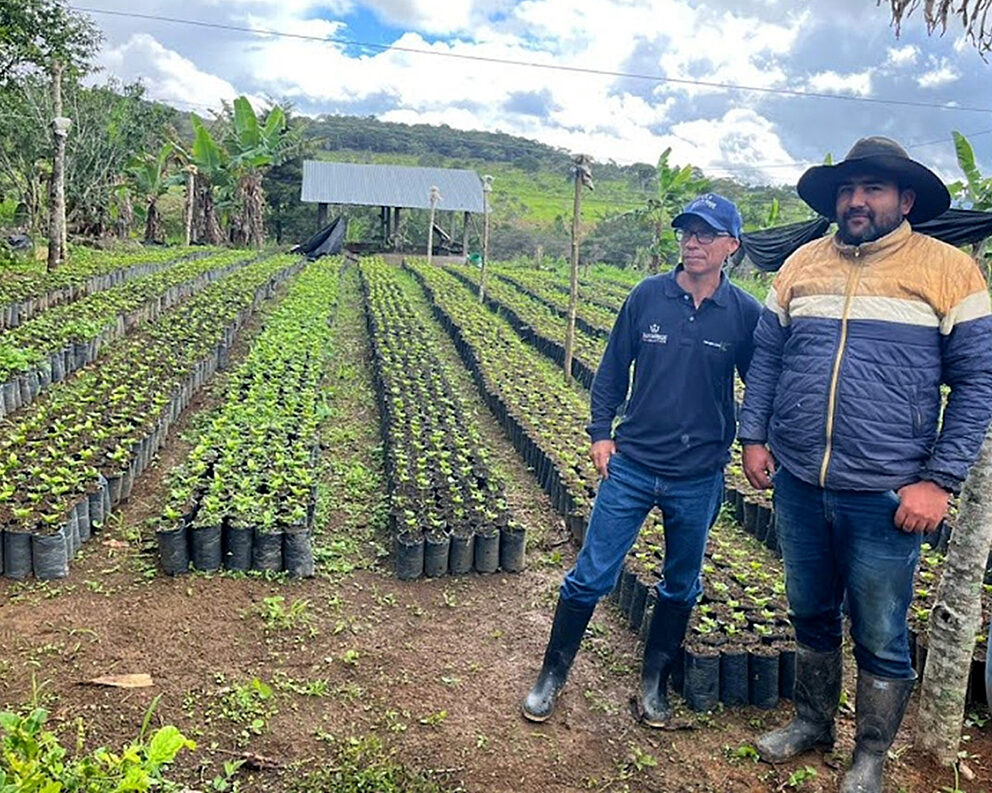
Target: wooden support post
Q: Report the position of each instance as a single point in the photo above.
(583, 176)
(434, 197)
(465, 235)
(487, 186)
(396, 228)
(321, 215)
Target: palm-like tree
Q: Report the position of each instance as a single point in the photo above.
(150, 176)
(253, 147)
(676, 186)
(975, 15)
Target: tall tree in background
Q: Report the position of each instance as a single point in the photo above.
(34, 33)
(253, 147)
(150, 175)
(110, 124)
(676, 187)
(211, 161)
(975, 15)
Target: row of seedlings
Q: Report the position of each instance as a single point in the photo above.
(52, 345)
(447, 509)
(542, 415)
(740, 646)
(752, 510)
(537, 324)
(591, 318)
(71, 456)
(28, 289)
(743, 612)
(244, 498)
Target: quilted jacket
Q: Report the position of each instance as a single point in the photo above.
(851, 349)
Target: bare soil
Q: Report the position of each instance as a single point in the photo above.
(436, 668)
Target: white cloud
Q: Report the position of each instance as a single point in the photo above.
(428, 16)
(742, 144)
(939, 72)
(830, 82)
(902, 56)
(167, 75)
(769, 44)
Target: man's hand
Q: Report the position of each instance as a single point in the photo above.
(922, 506)
(759, 465)
(600, 454)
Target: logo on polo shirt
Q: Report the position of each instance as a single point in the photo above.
(652, 336)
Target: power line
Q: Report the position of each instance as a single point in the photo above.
(535, 64)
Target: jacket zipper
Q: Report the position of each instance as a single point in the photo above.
(852, 285)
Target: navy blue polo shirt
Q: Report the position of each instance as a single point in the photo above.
(679, 419)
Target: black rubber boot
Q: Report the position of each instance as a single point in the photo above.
(879, 709)
(661, 649)
(570, 624)
(817, 696)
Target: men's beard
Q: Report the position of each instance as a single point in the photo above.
(878, 226)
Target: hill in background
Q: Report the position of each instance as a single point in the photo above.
(532, 190)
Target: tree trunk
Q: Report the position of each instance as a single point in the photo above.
(56, 209)
(153, 223)
(955, 618)
(254, 209)
(190, 203)
(125, 214)
(205, 226)
(656, 253)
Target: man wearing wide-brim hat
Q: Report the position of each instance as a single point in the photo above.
(842, 408)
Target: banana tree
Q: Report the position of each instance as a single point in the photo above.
(253, 147)
(149, 174)
(676, 186)
(975, 190)
(211, 162)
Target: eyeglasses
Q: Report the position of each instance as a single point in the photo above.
(702, 237)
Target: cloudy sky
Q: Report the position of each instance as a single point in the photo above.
(915, 88)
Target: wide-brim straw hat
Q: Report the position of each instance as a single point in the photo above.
(876, 155)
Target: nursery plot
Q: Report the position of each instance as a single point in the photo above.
(592, 318)
(28, 289)
(538, 325)
(244, 499)
(447, 512)
(52, 344)
(543, 415)
(741, 646)
(68, 458)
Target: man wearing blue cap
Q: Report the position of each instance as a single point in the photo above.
(685, 331)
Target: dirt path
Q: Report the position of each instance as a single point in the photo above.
(431, 672)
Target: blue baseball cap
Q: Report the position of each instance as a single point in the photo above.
(719, 212)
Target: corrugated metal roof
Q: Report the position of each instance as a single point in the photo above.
(390, 185)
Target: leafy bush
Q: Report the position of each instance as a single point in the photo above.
(33, 761)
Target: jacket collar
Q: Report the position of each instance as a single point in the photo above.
(672, 289)
(883, 246)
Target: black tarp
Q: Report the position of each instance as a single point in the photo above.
(769, 248)
(326, 242)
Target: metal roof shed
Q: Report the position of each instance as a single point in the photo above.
(390, 185)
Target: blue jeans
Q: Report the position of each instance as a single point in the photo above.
(837, 542)
(688, 506)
